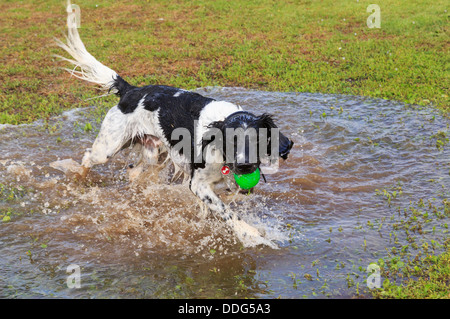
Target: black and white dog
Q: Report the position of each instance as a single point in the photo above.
(151, 114)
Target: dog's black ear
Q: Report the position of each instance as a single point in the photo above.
(210, 136)
(285, 144)
(217, 124)
(266, 121)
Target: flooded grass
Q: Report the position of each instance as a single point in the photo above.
(367, 182)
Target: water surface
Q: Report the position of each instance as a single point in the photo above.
(327, 207)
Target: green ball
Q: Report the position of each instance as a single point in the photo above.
(247, 181)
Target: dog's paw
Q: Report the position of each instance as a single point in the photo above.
(249, 235)
(70, 168)
(134, 172)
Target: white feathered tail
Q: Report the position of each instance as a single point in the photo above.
(86, 67)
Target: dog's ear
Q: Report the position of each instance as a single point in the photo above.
(285, 144)
(211, 134)
(217, 124)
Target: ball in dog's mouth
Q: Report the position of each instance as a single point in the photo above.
(247, 181)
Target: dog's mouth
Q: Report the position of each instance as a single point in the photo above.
(244, 168)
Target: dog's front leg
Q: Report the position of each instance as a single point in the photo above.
(201, 186)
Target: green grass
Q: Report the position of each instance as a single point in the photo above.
(303, 46)
(431, 281)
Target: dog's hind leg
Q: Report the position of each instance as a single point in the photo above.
(112, 137)
(150, 149)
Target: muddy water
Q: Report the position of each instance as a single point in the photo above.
(326, 208)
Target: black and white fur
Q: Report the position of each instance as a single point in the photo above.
(148, 115)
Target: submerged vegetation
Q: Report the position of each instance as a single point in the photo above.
(411, 268)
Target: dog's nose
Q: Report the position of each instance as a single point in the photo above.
(245, 168)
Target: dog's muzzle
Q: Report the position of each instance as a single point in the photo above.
(245, 168)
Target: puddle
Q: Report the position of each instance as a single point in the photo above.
(355, 164)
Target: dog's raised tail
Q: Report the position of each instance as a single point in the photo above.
(86, 67)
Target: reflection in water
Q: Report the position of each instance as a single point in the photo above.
(147, 238)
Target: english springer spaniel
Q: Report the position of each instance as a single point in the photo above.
(155, 116)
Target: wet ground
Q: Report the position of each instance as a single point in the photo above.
(358, 164)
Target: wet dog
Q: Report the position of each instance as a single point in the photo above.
(155, 116)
